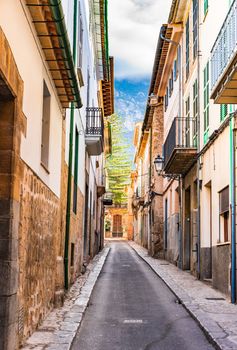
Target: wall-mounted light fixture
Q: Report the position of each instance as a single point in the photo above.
(159, 164)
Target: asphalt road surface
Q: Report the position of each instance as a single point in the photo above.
(132, 309)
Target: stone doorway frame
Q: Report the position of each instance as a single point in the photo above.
(12, 124)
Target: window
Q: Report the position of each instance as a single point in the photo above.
(195, 28)
(223, 111)
(224, 215)
(205, 7)
(195, 111)
(80, 38)
(75, 171)
(206, 102)
(45, 127)
(187, 48)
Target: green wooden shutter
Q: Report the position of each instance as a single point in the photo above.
(206, 102)
(223, 111)
(205, 7)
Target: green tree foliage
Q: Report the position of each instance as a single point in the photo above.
(118, 165)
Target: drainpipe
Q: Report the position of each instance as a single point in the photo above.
(69, 179)
(198, 161)
(180, 177)
(233, 212)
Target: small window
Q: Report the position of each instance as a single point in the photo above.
(45, 127)
(224, 235)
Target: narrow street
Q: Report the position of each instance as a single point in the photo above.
(132, 309)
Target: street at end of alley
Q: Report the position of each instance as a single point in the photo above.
(131, 308)
(128, 300)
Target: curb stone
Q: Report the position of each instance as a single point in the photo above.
(62, 337)
(215, 334)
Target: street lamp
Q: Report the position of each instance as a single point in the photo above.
(159, 162)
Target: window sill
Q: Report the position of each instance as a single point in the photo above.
(223, 243)
(45, 167)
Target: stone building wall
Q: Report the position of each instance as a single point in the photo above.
(76, 237)
(39, 235)
(157, 184)
(12, 126)
(76, 228)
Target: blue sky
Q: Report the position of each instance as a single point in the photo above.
(134, 27)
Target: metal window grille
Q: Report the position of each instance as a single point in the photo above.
(94, 121)
(206, 101)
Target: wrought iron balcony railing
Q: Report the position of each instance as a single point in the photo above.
(94, 131)
(225, 47)
(94, 122)
(180, 145)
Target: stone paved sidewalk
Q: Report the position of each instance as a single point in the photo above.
(59, 328)
(210, 308)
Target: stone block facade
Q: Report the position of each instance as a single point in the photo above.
(11, 127)
(157, 184)
(39, 238)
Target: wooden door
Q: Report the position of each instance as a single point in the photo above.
(117, 226)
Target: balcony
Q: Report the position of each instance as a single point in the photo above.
(224, 61)
(180, 147)
(94, 131)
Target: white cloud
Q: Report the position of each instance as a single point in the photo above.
(134, 27)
